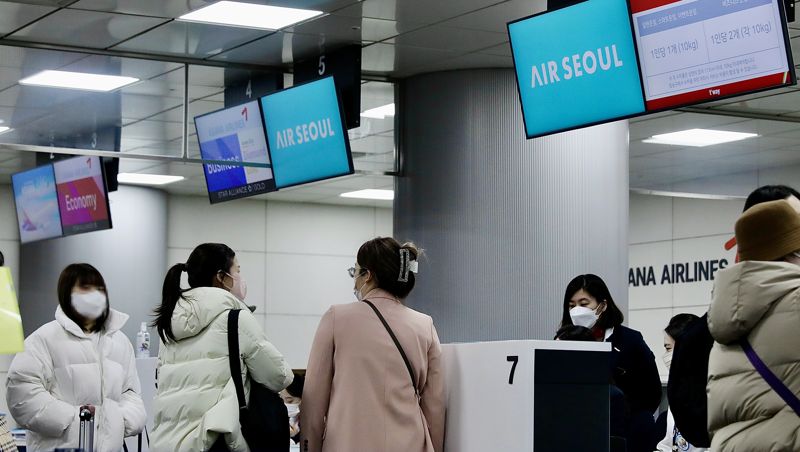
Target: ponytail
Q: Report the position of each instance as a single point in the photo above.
(170, 294)
(203, 265)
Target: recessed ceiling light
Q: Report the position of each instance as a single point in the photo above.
(4, 129)
(78, 80)
(370, 193)
(249, 15)
(699, 137)
(146, 179)
(379, 112)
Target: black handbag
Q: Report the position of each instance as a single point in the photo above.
(265, 420)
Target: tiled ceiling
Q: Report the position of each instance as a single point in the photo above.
(399, 38)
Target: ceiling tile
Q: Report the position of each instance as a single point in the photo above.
(373, 145)
(156, 8)
(280, 48)
(193, 40)
(496, 17)
(414, 11)
(85, 29)
(352, 29)
(16, 15)
(468, 61)
(388, 58)
(503, 49)
(449, 38)
(54, 3)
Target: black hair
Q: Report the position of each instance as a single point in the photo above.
(678, 324)
(296, 388)
(2, 259)
(203, 265)
(596, 287)
(80, 275)
(381, 256)
(574, 333)
(769, 193)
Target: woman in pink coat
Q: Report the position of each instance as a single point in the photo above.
(358, 394)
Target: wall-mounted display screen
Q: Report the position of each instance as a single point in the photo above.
(576, 66)
(602, 60)
(82, 195)
(36, 201)
(235, 134)
(698, 50)
(307, 140)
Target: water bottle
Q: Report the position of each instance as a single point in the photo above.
(143, 342)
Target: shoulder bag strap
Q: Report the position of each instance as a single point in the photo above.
(774, 382)
(233, 356)
(397, 344)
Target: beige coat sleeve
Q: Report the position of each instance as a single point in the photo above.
(317, 389)
(433, 393)
(265, 364)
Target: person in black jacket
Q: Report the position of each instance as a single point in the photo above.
(688, 372)
(588, 303)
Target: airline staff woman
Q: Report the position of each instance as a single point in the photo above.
(588, 303)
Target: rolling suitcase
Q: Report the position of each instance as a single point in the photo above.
(86, 433)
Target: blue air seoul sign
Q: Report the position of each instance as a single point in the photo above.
(576, 66)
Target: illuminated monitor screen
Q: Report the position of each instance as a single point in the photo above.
(235, 134)
(693, 51)
(576, 66)
(36, 201)
(82, 195)
(307, 139)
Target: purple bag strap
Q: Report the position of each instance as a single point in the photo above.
(774, 382)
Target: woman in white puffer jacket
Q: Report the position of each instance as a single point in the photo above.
(196, 408)
(80, 358)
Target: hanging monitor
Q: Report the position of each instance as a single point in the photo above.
(576, 67)
(306, 134)
(236, 135)
(82, 195)
(36, 201)
(693, 51)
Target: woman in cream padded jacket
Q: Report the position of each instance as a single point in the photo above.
(80, 358)
(758, 300)
(196, 407)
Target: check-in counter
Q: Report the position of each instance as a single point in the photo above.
(516, 396)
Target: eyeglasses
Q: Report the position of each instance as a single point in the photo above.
(352, 271)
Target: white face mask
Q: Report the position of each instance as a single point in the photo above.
(293, 409)
(583, 316)
(667, 358)
(90, 305)
(357, 292)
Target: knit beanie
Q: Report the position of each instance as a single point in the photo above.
(768, 231)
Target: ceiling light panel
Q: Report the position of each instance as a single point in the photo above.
(147, 179)
(78, 80)
(699, 137)
(383, 195)
(249, 15)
